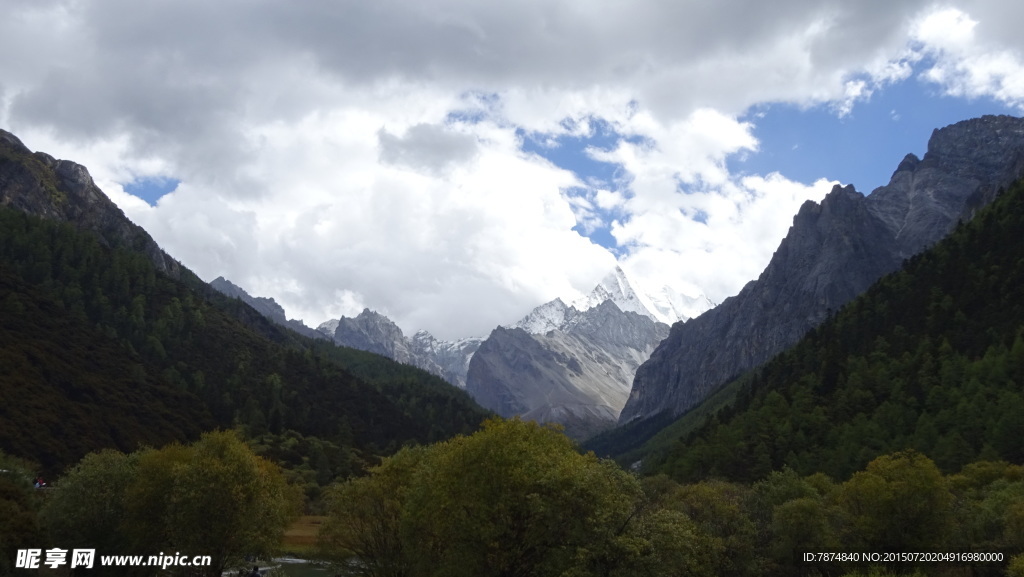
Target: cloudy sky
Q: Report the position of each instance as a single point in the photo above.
(453, 163)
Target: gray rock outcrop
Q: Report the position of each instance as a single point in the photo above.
(447, 359)
(577, 375)
(267, 307)
(373, 332)
(833, 252)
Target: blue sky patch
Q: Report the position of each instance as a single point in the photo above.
(601, 236)
(479, 106)
(570, 153)
(150, 189)
(862, 148)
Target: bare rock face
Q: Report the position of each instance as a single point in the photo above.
(267, 307)
(832, 253)
(373, 332)
(577, 375)
(446, 359)
(38, 184)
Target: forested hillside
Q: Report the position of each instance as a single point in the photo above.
(102, 350)
(931, 358)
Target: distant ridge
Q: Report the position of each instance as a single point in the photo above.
(267, 307)
(373, 332)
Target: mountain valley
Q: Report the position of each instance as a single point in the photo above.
(908, 385)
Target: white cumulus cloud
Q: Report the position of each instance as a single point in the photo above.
(369, 154)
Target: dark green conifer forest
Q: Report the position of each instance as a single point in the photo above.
(102, 351)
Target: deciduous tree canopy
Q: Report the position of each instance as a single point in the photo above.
(513, 499)
(214, 497)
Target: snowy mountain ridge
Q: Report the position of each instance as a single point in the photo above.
(664, 306)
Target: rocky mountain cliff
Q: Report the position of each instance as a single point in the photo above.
(38, 184)
(452, 358)
(576, 373)
(267, 307)
(833, 252)
(373, 332)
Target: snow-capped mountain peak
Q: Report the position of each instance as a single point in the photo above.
(665, 305)
(329, 327)
(618, 288)
(672, 305)
(549, 316)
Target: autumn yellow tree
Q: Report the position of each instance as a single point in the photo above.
(365, 520)
(214, 497)
(516, 498)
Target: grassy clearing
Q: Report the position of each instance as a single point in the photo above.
(300, 538)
